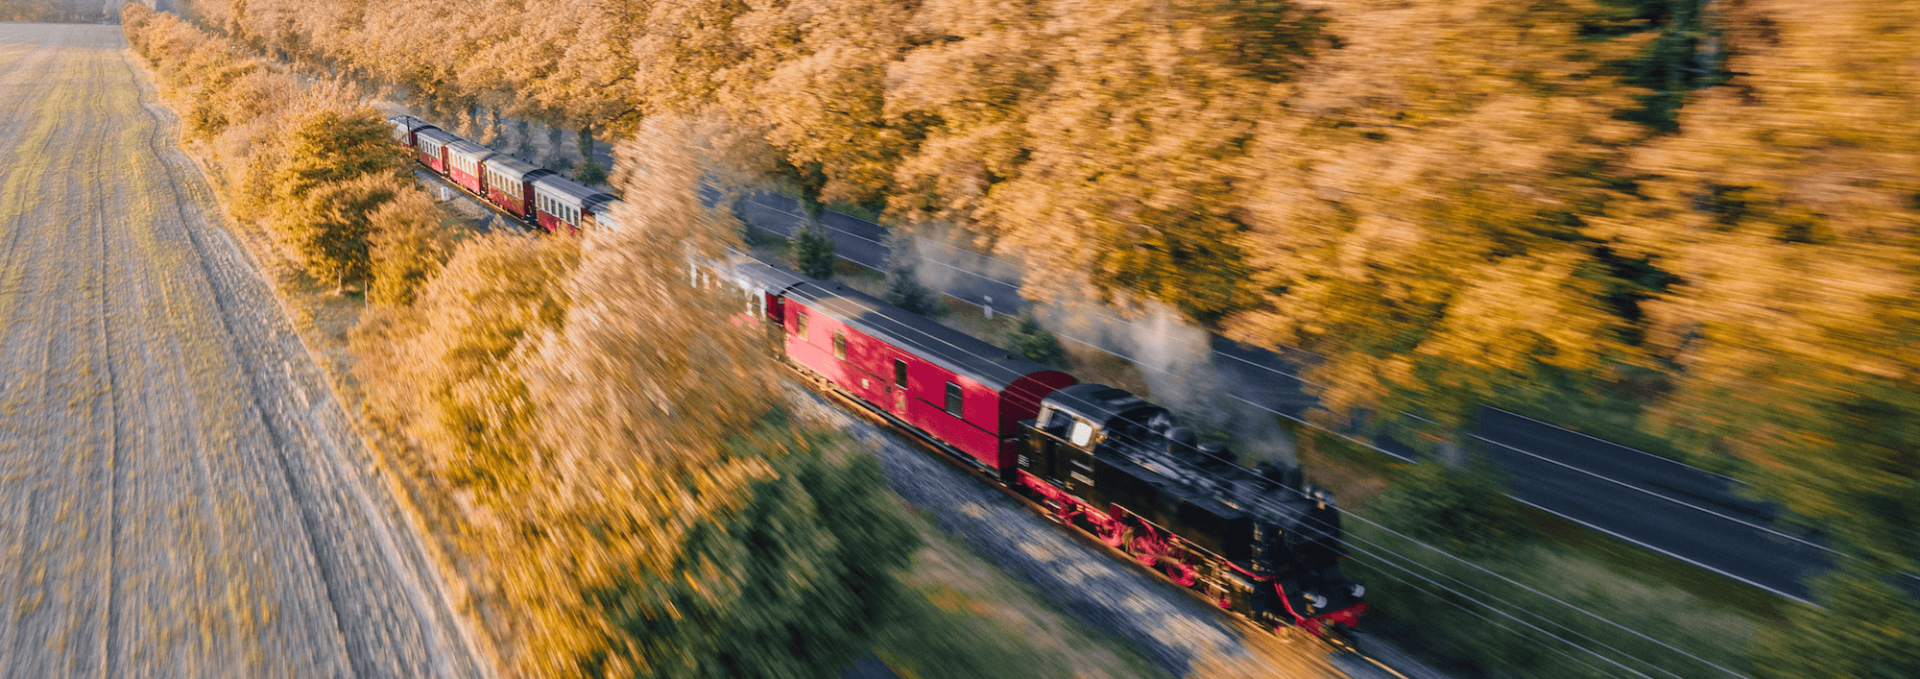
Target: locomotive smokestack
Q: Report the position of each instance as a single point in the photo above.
(1181, 442)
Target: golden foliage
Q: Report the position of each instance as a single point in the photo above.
(408, 245)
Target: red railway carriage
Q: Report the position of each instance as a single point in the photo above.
(464, 162)
(510, 184)
(967, 393)
(564, 205)
(432, 145)
(405, 127)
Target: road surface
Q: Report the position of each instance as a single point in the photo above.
(180, 493)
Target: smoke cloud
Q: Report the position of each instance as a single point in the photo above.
(1177, 361)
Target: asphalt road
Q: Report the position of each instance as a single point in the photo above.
(181, 495)
(1643, 499)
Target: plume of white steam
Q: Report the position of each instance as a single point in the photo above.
(1177, 361)
(946, 261)
(1175, 357)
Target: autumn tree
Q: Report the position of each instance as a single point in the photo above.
(1786, 204)
(408, 245)
(447, 370)
(1430, 284)
(713, 537)
(339, 166)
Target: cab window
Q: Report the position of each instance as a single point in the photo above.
(1082, 433)
(840, 345)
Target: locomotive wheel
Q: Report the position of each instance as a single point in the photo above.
(1144, 548)
(1112, 533)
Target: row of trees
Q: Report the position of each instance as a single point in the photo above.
(309, 163)
(1708, 206)
(55, 11)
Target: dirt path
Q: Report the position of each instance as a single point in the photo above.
(180, 493)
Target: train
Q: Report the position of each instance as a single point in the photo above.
(1257, 542)
(539, 198)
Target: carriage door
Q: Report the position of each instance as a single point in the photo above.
(897, 389)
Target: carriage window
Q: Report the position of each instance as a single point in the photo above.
(840, 345)
(899, 373)
(800, 327)
(954, 402)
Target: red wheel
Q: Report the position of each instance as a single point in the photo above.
(1145, 549)
(1183, 575)
(1110, 531)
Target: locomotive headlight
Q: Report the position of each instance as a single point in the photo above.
(1319, 601)
(1359, 590)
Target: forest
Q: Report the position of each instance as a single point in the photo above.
(1707, 209)
(62, 11)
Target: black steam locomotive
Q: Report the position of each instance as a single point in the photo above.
(1256, 541)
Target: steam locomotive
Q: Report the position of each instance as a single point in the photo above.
(1257, 542)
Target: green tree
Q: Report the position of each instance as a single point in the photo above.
(827, 514)
(1464, 510)
(590, 173)
(905, 291)
(1028, 338)
(812, 253)
(1687, 54)
(1867, 628)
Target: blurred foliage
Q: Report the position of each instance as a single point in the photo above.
(1471, 634)
(449, 365)
(409, 245)
(590, 173)
(1485, 626)
(1866, 630)
(794, 583)
(1464, 510)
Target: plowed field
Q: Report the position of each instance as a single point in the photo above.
(181, 495)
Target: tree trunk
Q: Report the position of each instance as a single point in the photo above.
(586, 143)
